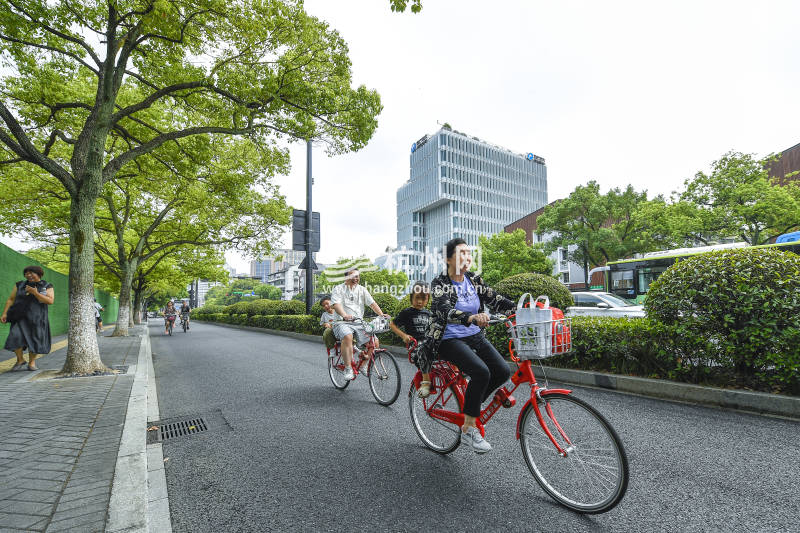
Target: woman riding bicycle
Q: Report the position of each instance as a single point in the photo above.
(169, 315)
(456, 335)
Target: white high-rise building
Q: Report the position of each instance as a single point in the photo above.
(462, 186)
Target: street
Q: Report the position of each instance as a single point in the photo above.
(286, 451)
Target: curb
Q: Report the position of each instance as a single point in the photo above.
(158, 517)
(127, 508)
(751, 402)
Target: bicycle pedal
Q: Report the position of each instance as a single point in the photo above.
(509, 402)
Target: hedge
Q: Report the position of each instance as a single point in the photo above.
(536, 284)
(643, 347)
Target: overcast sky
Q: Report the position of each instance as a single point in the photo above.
(635, 92)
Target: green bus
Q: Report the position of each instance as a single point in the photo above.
(631, 278)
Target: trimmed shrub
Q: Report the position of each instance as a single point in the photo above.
(745, 303)
(387, 302)
(308, 324)
(208, 310)
(515, 286)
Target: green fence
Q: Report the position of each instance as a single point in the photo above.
(11, 265)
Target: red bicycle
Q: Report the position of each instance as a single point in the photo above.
(572, 451)
(382, 369)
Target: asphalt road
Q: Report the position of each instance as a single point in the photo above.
(286, 451)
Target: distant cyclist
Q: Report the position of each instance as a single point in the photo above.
(185, 310)
(169, 315)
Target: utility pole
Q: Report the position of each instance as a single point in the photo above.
(309, 217)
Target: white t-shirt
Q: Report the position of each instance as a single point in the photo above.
(97, 309)
(352, 300)
(328, 317)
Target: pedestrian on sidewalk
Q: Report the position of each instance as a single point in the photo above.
(97, 317)
(26, 310)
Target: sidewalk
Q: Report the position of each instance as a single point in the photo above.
(64, 441)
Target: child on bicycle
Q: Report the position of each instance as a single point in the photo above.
(326, 320)
(415, 321)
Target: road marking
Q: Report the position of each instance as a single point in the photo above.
(8, 364)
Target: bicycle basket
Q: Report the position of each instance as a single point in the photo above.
(541, 340)
(377, 326)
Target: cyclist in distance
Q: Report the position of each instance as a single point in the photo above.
(185, 310)
(456, 334)
(349, 299)
(169, 315)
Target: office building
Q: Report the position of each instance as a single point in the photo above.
(462, 186)
(280, 259)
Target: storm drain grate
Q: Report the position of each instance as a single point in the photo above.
(181, 428)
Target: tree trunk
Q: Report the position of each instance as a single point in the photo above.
(124, 318)
(83, 355)
(130, 322)
(137, 307)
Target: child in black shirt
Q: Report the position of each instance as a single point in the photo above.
(415, 321)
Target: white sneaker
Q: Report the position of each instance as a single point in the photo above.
(473, 437)
(348, 374)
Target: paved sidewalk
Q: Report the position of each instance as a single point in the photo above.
(60, 441)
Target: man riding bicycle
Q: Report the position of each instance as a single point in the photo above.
(349, 300)
(185, 310)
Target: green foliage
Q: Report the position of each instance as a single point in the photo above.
(506, 254)
(735, 199)
(400, 5)
(388, 304)
(266, 307)
(744, 302)
(605, 227)
(536, 284)
(270, 292)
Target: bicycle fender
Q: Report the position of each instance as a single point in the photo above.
(542, 393)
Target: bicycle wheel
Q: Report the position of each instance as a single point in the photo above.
(336, 370)
(438, 435)
(170, 327)
(384, 377)
(593, 476)
(183, 325)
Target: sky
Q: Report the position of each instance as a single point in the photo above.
(623, 92)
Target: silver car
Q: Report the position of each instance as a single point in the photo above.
(603, 304)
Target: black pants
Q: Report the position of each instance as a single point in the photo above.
(486, 368)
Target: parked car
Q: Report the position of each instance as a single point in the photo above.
(603, 304)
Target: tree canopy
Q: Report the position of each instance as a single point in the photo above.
(506, 254)
(91, 86)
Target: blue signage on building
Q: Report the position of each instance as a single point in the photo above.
(529, 157)
(413, 148)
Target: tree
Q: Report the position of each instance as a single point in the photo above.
(262, 69)
(400, 5)
(604, 227)
(506, 254)
(268, 292)
(737, 199)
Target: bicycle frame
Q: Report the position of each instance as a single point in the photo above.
(366, 354)
(444, 375)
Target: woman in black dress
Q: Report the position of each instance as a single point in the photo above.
(32, 330)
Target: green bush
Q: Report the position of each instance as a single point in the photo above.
(515, 286)
(388, 304)
(744, 302)
(266, 307)
(208, 309)
(307, 324)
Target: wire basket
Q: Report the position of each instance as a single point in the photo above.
(541, 340)
(377, 325)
